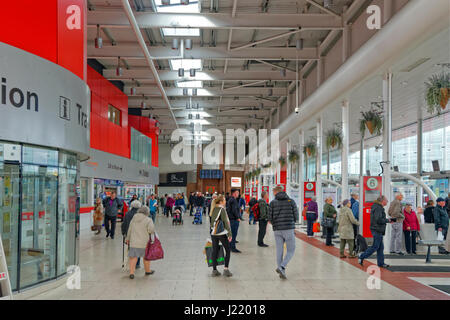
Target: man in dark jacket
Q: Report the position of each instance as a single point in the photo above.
(251, 214)
(263, 215)
(191, 203)
(112, 207)
(283, 215)
(235, 217)
(441, 220)
(199, 203)
(378, 223)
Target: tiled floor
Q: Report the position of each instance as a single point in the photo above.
(313, 273)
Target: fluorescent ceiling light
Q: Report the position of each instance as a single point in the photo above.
(181, 32)
(186, 64)
(190, 84)
(176, 7)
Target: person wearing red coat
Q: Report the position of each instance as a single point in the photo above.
(411, 226)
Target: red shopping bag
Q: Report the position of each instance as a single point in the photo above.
(316, 227)
(154, 250)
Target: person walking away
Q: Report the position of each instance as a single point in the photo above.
(191, 203)
(263, 215)
(329, 211)
(441, 221)
(251, 214)
(283, 215)
(224, 237)
(98, 215)
(112, 207)
(162, 205)
(345, 229)
(378, 223)
(312, 214)
(134, 207)
(395, 211)
(234, 217)
(355, 210)
(169, 205)
(153, 205)
(141, 227)
(410, 228)
(428, 214)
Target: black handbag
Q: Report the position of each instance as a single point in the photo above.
(328, 222)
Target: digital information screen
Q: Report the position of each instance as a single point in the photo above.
(371, 195)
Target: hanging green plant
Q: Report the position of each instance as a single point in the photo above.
(293, 156)
(257, 172)
(282, 161)
(372, 120)
(437, 92)
(268, 165)
(334, 138)
(248, 176)
(309, 149)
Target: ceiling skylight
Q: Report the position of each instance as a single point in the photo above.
(176, 7)
(186, 64)
(181, 32)
(189, 84)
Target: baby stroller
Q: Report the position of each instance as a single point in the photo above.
(197, 216)
(177, 216)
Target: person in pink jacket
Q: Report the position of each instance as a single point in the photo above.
(411, 226)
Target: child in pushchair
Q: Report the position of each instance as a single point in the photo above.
(177, 215)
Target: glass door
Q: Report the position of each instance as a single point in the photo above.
(38, 227)
(9, 216)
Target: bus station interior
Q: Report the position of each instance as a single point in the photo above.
(139, 71)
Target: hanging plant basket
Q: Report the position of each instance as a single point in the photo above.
(282, 161)
(372, 121)
(334, 138)
(437, 92)
(309, 149)
(293, 156)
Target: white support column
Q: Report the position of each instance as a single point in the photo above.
(301, 139)
(387, 145)
(345, 150)
(319, 164)
(387, 134)
(419, 154)
(361, 190)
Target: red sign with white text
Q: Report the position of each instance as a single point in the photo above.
(309, 191)
(372, 189)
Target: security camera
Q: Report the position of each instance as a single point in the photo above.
(296, 110)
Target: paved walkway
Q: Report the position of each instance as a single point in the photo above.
(313, 273)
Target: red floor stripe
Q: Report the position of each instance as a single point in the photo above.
(399, 280)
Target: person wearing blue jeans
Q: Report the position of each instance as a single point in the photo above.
(234, 225)
(378, 223)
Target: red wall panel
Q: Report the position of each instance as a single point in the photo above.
(40, 27)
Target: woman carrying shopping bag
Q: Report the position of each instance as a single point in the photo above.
(140, 229)
(220, 232)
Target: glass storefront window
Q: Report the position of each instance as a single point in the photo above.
(141, 147)
(40, 241)
(84, 190)
(67, 218)
(38, 229)
(36, 155)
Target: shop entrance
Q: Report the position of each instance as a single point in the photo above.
(9, 213)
